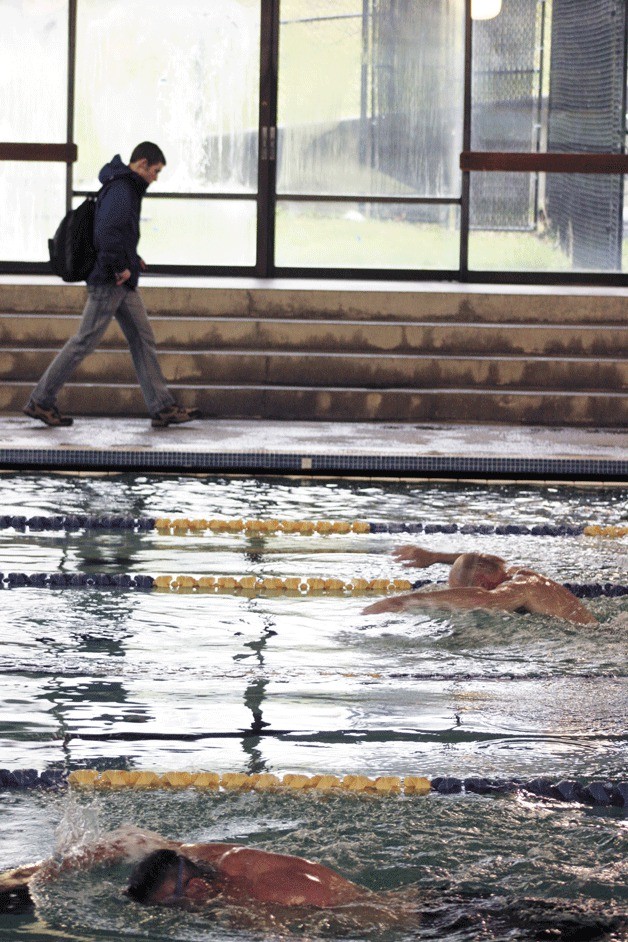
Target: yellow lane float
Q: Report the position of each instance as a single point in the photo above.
(113, 779)
(313, 585)
(179, 526)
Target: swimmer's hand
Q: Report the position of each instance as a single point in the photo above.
(395, 603)
(418, 558)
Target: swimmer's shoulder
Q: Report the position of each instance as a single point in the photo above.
(522, 574)
(209, 853)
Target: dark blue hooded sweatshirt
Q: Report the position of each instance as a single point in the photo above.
(117, 224)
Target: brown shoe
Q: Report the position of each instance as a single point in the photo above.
(49, 416)
(174, 415)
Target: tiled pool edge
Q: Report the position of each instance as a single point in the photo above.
(309, 464)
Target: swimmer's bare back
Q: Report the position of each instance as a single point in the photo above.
(247, 872)
(543, 596)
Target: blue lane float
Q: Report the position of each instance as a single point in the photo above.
(600, 793)
(584, 590)
(77, 580)
(31, 778)
(595, 590)
(72, 522)
(482, 529)
(592, 793)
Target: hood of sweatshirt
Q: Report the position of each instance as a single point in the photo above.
(116, 169)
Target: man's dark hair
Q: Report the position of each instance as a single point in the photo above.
(150, 873)
(158, 867)
(150, 151)
(17, 901)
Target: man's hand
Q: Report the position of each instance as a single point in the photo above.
(395, 603)
(122, 276)
(143, 265)
(419, 558)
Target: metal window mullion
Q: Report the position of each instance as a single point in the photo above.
(71, 85)
(539, 107)
(624, 105)
(267, 130)
(465, 191)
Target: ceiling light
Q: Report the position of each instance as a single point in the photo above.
(485, 9)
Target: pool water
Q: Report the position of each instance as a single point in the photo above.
(163, 680)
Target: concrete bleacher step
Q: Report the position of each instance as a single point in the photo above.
(194, 334)
(353, 370)
(352, 355)
(348, 405)
(396, 303)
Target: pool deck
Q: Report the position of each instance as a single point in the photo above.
(258, 446)
(318, 448)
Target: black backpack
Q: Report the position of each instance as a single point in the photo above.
(72, 252)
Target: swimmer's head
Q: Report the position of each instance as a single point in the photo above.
(479, 570)
(166, 878)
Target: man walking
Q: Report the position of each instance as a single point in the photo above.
(112, 292)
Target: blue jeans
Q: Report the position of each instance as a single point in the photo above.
(103, 303)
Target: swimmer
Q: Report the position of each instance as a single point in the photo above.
(195, 876)
(481, 581)
(198, 873)
(264, 890)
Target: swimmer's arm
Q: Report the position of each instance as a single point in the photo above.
(573, 610)
(547, 597)
(127, 843)
(419, 558)
(507, 597)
